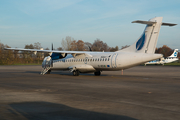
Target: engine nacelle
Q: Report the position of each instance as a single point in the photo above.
(56, 56)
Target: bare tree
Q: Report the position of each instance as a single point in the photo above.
(80, 45)
(6, 57)
(73, 45)
(113, 49)
(87, 46)
(59, 48)
(99, 45)
(66, 44)
(27, 54)
(165, 50)
(124, 46)
(37, 45)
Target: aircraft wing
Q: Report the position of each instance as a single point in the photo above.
(74, 53)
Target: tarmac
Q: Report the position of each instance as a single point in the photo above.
(141, 93)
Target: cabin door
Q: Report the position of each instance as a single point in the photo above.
(113, 60)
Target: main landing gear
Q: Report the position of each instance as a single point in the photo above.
(76, 72)
(98, 73)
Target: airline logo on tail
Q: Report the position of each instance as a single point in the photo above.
(140, 42)
(175, 54)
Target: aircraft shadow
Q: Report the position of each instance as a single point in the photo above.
(51, 111)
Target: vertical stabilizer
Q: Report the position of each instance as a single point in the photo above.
(175, 53)
(148, 40)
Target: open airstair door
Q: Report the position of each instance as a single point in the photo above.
(46, 65)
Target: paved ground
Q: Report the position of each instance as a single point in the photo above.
(142, 93)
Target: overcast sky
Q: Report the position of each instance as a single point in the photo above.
(48, 21)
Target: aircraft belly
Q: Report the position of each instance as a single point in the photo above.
(60, 65)
(82, 68)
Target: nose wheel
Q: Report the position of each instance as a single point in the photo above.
(76, 72)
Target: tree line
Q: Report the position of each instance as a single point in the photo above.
(8, 57)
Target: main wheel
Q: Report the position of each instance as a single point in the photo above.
(76, 72)
(98, 73)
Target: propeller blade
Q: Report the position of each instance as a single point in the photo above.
(89, 48)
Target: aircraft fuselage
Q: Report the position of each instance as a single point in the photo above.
(102, 61)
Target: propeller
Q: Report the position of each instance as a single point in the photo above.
(52, 47)
(89, 48)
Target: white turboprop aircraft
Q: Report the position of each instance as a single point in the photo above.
(83, 61)
(163, 60)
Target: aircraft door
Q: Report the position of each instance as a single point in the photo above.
(113, 60)
(46, 65)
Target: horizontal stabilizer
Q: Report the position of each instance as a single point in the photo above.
(169, 24)
(151, 23)
(144, 22)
